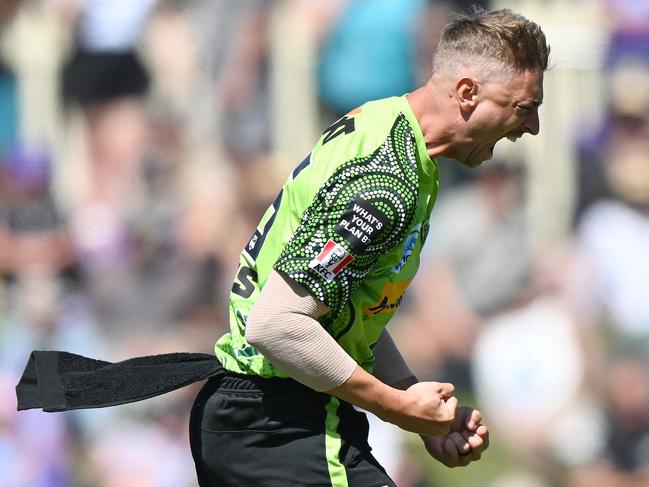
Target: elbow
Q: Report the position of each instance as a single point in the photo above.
(261, 333)
(259, 342)
(253, 333)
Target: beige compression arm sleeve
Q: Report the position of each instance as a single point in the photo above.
(283, 326)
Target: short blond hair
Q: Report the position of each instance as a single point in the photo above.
(501, 41)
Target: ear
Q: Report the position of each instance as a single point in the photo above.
(466, 90)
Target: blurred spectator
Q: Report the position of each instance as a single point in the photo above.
(532, 374)
(612, 238)
(627, 405)
(522, 358)
(105, 81)
(8, 110)
(623, 459)
(370, 52)
(627, 110)
(33, 234)
(105, 78)
(474, 269)
(377, 49)
(9, 121)
(626, 120)
(143, 257)
(629, 29)
(37, 260)
(234, 54)
(242, 79)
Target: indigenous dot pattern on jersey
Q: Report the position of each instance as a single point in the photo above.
(381, 187)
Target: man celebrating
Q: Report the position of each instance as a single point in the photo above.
(328, 266)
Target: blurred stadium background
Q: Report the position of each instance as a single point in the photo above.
(141, 141)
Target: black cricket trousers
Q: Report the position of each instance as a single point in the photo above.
(250, 431)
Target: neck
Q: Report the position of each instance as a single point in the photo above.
(430, 104)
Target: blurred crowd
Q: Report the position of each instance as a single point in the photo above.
(140, 142)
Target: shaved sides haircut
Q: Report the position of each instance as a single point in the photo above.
(499, 42)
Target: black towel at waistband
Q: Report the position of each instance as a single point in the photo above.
(60, 381)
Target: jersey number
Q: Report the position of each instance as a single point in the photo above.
(247, 276)
(343, 126)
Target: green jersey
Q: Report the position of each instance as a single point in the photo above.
(348, 225)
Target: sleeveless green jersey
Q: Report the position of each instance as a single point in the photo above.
(348, 225)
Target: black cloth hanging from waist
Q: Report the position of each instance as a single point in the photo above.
(61, 381)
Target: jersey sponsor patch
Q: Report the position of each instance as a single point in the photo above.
(389, 300)
(360, 224)
(331, 260)
(408, 247)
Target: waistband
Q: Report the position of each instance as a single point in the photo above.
(268, 386)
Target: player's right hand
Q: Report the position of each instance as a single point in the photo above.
(425, 408)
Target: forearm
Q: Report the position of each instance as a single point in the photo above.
(368, 392)
(425, 407)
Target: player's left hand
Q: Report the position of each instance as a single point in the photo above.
(465, 441)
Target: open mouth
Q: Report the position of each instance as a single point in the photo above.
(492, 147)
(511, 138)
